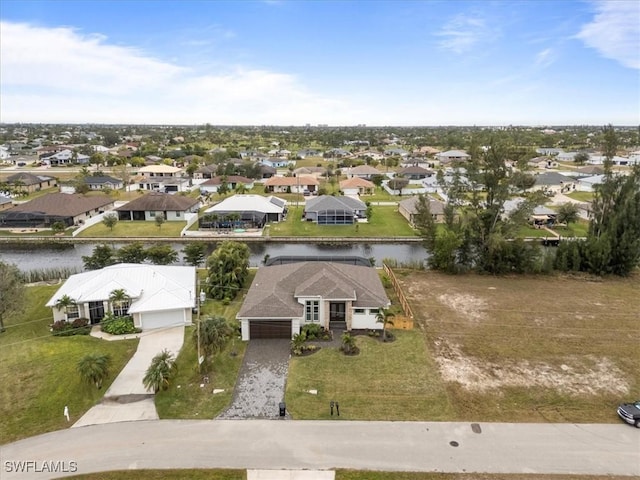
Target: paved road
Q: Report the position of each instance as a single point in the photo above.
(564, 449)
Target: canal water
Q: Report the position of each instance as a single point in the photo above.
(35, 257)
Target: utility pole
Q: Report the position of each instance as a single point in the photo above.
(201, 299)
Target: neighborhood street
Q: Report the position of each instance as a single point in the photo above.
(578, 449)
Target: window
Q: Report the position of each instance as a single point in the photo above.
(358, 311)
(152, 214)
(374, 311)
(178, 214)
(73, 312)
(312, 311)
(121, 310)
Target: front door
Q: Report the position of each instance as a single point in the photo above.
(96, 312)
(337, 312)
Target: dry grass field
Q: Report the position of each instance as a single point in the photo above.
(543, 348)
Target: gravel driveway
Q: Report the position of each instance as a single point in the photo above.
(262, 379)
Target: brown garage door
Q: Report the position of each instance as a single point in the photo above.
(269, 329)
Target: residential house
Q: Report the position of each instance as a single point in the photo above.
(44, 211)
(248, 211)
(396, 152)
(407, 208)
(316, 172)
(338, 210)
(548, 152)
(277, 162)
(207, 171)
(588, 171)
(232, 181)
(363, 171)
(5, 203)
(159, 296)
(357, 186)
(267, 172)
(162, 178)
(102, 182)
(299, 184)
(540, 215)
(542, 162)
(372, 154)
(309, 152)
(415, 172)
(554, 182)
(65, 157)
(150, 205)
(29, 182)
(451, 156)
(589, 184)
(284, 298)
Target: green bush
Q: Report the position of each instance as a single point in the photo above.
(62, 328)
(118, 325)
(312, 331)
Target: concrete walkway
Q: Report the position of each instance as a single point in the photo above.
(127, 399)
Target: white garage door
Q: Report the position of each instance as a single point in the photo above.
(167, 318)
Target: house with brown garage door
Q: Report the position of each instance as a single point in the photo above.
(284, 298)
(147, 207)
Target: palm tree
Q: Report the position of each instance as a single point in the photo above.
(158, 375)
(94, 368)
(63, 303)
(348, 346)
(118, 298)
(214, 334)
(241, 188)
(384, 317)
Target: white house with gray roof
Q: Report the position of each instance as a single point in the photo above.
(284, 298)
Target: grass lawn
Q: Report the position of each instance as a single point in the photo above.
(527, 348)
(581, 196)
(578, 229)
(37, 371)
(130, 228)
(528, 232)
(385, 222)
(185, 398)
(386, 381)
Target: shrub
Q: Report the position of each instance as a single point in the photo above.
(62, 328)
(118, 325)
(312, 331)
(349, 346)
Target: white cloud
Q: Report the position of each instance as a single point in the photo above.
(615, 31)
(462, 33)
(61, 75)
(545, 58)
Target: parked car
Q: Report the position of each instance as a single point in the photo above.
(630, 413)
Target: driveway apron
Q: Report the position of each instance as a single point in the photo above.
(261, 383)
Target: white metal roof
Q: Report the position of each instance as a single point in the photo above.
(249, 203)
(151, 287)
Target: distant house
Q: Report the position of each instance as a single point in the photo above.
(160, 296)
(330, 210)
(316, 172)
(541, 215)
(65, 157)
(407, 208)
(547, 151)
(277, 162)
(232, 181)
(5, 203)
(393, 152)
(44, 211)
(451, 156)
(249, 211)
(588, 171)
(415, 172)
(147, 207)
(542, 162)
(337, 153)
(589, 184)
(284, 298)
(207, 171)
(372, 154)
(309, 152)
(30, 182)
(299, 184)
(162, 178)
(357, 186)
(267, 172)
(101, 182)
(553, 182)
(363, 171)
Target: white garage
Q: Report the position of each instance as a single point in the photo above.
(163, 319)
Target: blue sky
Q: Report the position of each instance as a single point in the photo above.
(293, 62)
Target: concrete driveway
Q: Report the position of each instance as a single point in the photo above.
(127, 399)
(261, 381)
